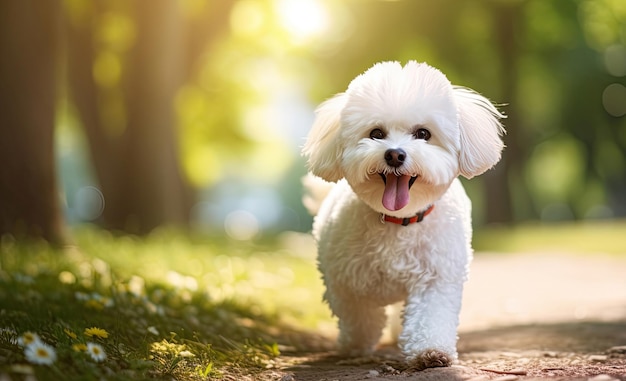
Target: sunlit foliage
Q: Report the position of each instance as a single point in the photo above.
(162, 307)
(245, 106)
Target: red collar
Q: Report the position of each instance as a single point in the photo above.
(408, 220)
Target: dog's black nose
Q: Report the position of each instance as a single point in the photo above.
(395, 157)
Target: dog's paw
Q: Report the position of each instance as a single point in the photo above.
(431, 358)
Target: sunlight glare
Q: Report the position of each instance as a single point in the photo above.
(302, 19)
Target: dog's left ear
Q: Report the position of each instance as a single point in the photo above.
(481, 131)
(322, 146)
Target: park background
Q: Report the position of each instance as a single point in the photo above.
(160, 141)
(192, 113)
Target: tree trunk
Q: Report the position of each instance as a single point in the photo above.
(498, 190)
(29, 195)
(138, 169)
(104, 145)
(153, 190)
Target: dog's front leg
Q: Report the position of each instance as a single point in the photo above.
(429, 331)
(360, 325)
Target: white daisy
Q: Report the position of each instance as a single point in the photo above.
(27, 339)
(39, 352)
(96, 352)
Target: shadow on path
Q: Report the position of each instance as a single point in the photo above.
(560, 351)
(581, 337)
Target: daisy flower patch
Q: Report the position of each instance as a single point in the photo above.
(96, 352)
(40, 353)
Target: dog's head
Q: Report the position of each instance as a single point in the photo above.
(401, 135)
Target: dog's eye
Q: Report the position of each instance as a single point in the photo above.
(422, 133)
(377, 133)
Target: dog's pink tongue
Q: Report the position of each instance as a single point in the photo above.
(396, 194)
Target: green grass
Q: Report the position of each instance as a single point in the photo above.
(581, 237)
(173, 308)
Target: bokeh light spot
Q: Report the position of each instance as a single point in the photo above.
(615, 60)
(241, 225)
(89, 203)
(247, 18)
(614, 99)
(107, 69)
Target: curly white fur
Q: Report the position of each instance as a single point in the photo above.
(367, 264)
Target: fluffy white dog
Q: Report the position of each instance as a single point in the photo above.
(396, 226)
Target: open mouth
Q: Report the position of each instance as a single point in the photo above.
(396, 194)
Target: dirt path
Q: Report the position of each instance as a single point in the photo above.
(525, 317)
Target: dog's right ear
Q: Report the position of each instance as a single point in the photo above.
(322, 146)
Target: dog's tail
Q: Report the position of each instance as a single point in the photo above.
(315, 191)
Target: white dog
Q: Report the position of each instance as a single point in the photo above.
(397, 225)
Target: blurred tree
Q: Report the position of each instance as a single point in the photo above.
(575, 149)
(506, 16)
(175, 92)
(29, 197)
(124, 86)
